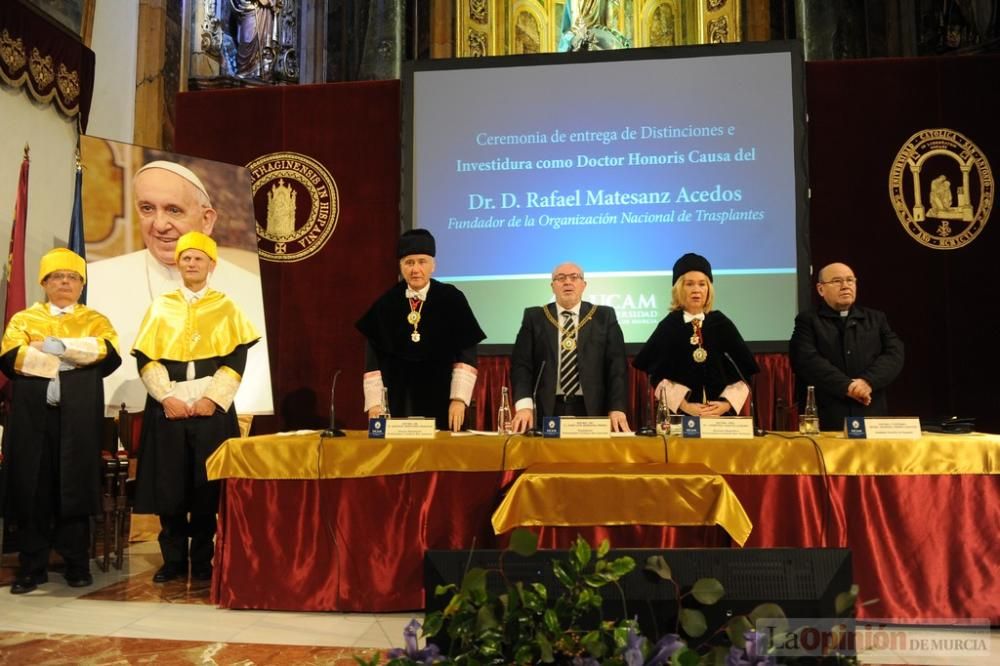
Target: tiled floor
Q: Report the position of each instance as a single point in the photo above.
(57, 624)
(124, 618)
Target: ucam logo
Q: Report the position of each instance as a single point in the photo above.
(630, 308)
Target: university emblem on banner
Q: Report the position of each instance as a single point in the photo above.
(296, 204)
(941, 186)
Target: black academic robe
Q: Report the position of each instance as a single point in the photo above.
(668, 354)
(418, 374)
(81, 416)
(170, 480)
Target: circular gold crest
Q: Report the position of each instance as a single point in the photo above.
(296, 203)
(941, 186)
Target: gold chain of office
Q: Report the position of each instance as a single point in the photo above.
(568, 343)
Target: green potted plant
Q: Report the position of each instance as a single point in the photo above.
(527, 623)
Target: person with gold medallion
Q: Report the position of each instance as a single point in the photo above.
(421, 341)
(56, 354)
(191, 351)
(686, 356)
(575, 351)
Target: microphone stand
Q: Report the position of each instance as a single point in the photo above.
(757, 431)
(536, 428)
(333, 430)
(649, 429)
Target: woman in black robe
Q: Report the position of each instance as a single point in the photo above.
(692, 355)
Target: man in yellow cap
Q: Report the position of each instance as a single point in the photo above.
(171, 200)
(191, 351)
(56, 354)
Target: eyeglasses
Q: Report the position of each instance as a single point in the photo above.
(59, 277)
(567, 277)
(840, 282)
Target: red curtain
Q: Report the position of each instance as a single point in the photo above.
(774, 392)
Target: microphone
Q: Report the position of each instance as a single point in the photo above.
(648, 430)
(758, 432)
(333, 430)
(536, 429)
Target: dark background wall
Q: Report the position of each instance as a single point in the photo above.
(942, 303)
(861, 112)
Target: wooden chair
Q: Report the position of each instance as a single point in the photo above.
(115, 506)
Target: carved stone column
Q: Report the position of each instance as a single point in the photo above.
(382, 55)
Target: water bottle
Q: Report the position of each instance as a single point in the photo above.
(504, 417)
(662, 417)
(810, 415)
(385, 403)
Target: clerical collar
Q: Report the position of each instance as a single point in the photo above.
(418, 293)
(192, 296)
(575, 309)
(688, 317)
(844, 313)
(55, 310)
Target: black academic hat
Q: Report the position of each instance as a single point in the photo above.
(692, 262)
(415, 241)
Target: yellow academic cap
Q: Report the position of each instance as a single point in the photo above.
(195, 240)
(61, 259)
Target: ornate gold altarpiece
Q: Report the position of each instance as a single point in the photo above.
(506, 27)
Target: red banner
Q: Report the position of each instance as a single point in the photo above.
(325, 164)
(15, 256)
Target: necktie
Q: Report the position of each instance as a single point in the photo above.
(569, 373)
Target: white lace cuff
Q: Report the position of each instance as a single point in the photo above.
(83, 351)
(673, 393)
(373, 389)
(36, 363)
(736, 394)
(463, 380)
(156, 380)
(223, 387)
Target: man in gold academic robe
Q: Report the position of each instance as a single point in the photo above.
(56, 354)
(191, 351)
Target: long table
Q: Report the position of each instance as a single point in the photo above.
(312, 523)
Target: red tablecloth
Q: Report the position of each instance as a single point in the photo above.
(924, 544)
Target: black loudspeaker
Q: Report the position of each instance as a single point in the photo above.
(803, 581)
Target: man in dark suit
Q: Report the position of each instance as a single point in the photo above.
(583, 349)
(846, 351)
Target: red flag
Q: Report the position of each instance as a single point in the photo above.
(15, 256)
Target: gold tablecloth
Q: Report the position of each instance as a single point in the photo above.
(622, 494)
(308, 456)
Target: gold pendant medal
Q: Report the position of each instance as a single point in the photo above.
(699, 354)
(569, 344)
(413, 318)
(415, 336)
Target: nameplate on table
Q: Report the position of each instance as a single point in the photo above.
(575, 427)
(860, 427)
(412, 428)
(727, 427)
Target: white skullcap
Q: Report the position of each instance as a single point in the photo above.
(182, 171)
